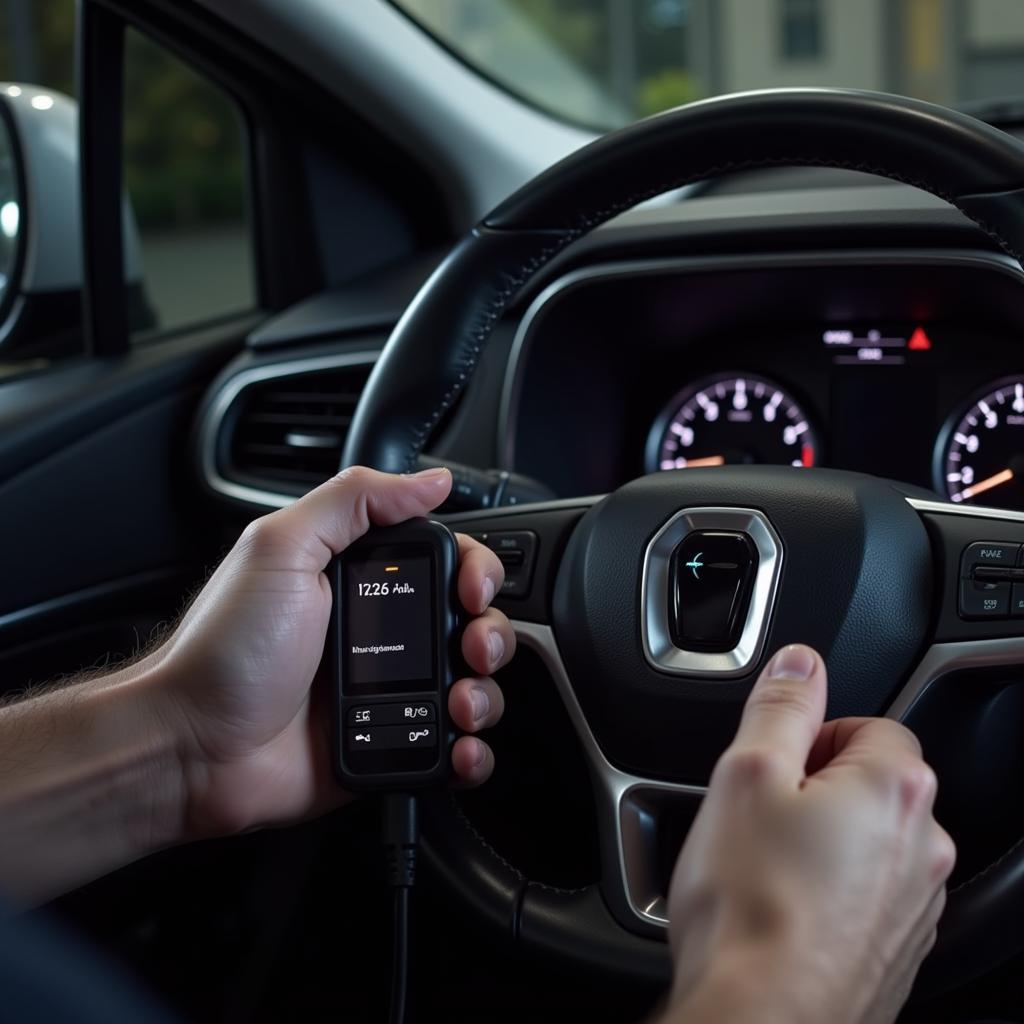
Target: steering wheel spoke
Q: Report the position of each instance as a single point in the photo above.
(641, 820)
(979, 604)
(529, 540)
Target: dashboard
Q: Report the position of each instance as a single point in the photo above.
(905, 364)
(868, 328)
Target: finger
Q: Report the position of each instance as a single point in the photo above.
(873, 742)
(887, 757)
(476, 704)
(481, 574)
(472, 761)
(784, 711)
(329, 518)
(943, 856)
(488, 642)
(831, 738)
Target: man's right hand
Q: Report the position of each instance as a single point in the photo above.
(811, 883)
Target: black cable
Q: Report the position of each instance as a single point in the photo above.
(400, 958)
(400, 834)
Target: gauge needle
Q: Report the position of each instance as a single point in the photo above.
(986, 485)
(709, 460)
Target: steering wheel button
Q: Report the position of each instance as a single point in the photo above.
(981, 600)
(990, 553)
(517, 550)
(710, 578)
(1017, 600)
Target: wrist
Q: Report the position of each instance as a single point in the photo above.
(755, 984)
(146, 701)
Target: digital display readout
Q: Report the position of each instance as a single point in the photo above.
(387, 626)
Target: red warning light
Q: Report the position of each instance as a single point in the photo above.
(919, 341)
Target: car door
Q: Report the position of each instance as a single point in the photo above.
(165, 198)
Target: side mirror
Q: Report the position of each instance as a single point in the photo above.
(11, 200)
(40, 228)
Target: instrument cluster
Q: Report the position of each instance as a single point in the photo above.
(740, 417)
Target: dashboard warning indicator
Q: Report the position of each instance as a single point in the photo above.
(919, 341)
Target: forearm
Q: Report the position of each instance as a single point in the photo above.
(89, 780)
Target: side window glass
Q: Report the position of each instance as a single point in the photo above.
(189, 253)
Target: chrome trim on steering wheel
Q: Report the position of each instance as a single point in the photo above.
(618, 794)
(659, 648)
(942, 659)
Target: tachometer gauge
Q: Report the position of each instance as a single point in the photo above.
(979, 457)
(731, 419)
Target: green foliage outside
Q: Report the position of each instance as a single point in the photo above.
(581, 29)
(183, 142)
(669, 88)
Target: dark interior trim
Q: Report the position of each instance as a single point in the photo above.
(100, 71)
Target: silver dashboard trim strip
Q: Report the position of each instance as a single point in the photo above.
(509, 407)
(213, 418)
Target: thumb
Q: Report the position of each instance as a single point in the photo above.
(785, 710)
(325, 521)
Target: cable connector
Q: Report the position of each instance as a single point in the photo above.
(400, 833)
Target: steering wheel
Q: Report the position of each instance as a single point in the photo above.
(864, 569)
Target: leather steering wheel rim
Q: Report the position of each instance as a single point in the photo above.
(436, 346)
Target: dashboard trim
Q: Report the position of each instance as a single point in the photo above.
(523, 339)
(228, 393)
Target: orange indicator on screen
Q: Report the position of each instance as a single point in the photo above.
(391, 568)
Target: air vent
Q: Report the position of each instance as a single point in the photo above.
(282, 428)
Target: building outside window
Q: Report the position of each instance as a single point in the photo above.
(801, 32)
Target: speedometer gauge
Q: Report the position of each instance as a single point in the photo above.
(980, 453)
(731, 419)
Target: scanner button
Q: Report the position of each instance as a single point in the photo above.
(392, 737)
(392, 714)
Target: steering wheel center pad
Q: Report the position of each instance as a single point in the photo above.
(856, 582)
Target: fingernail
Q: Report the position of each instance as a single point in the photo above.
(793, 662)
(481, 754)
(481, 703)
(488, 590)
(437, 474)
(496, 645)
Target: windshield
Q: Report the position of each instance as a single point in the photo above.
(604, 63)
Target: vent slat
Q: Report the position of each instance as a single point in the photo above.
(299, 397)
(299, 419)
(271, 414)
